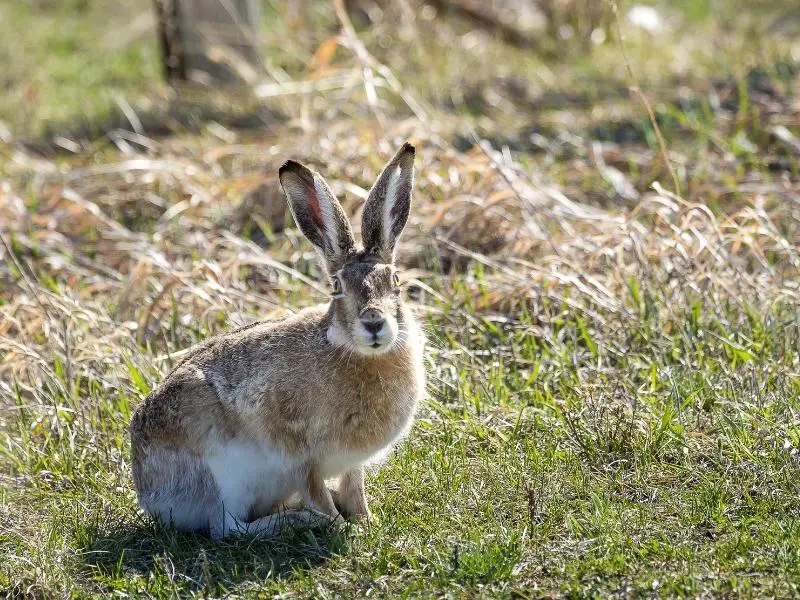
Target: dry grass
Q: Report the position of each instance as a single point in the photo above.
(113, 253)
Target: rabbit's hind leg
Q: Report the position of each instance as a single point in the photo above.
(304, 518)
(269, 525)
(177, 488)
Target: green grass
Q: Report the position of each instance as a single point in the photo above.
(612, 404)
(562, 461)
(66, 62)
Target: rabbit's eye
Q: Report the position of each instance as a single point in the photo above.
(337, 288)
(396, 279)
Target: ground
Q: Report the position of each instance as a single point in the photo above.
(611, 301)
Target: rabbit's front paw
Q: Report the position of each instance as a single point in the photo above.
(356, 510)
(362, 515)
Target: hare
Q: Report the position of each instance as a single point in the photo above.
(254, 417)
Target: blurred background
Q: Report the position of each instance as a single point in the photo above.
(551, 83)
(530, 114)
(70, 65)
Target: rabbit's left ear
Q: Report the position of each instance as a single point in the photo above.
(388, 205)
(318, 213)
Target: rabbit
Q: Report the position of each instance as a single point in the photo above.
(252, 418)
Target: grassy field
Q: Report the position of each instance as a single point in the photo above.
(614, 383)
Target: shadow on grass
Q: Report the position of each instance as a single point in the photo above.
(161, 119)
(121, 551)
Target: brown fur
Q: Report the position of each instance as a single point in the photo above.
(305, 390)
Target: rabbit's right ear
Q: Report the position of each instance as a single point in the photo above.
(318, 213)
(388, 204)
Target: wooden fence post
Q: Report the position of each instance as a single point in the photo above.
(209, 41)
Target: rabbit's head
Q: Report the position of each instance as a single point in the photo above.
(367, 311)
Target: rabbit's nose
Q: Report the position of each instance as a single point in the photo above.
(374, 326)
(372, 320)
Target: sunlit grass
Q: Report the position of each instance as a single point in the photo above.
(613, 373)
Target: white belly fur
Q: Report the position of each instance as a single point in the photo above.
(249, 474)
(335, 465)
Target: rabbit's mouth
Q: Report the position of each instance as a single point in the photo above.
(371, 341)
(363, 341)
(373, 347)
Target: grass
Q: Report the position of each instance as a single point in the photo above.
(72, 61)
(614, 380)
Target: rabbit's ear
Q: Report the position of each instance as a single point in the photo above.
(318, 213)
(388, 204)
